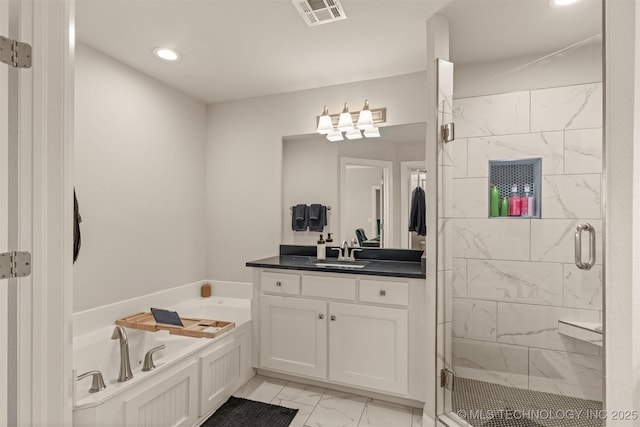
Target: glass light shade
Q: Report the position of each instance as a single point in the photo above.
(372, 133)
(365, 119)
(335, 136)
(324, 123)
(353, 133)
(345, 122)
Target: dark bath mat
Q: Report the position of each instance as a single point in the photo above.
(507, 418)
(238, 412)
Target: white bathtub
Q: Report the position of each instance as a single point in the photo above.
(208, 368)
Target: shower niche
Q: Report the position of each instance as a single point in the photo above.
(523, 175)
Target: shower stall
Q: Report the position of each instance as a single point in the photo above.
(520, 295)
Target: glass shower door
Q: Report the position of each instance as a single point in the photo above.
(520, 295)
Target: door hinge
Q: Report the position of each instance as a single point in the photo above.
(447, 379)
(15, 264)
(15, 53)
(448, 132)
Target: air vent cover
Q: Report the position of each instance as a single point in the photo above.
(316, 12)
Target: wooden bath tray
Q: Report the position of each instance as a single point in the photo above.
(192, 327)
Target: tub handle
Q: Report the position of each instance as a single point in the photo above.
(97, 384)
(148, 358)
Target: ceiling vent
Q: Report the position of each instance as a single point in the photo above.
(316, 12)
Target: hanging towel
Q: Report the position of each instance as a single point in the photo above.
(299, 218)
(417, 216)
(317, 217)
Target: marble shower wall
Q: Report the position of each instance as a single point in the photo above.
(513, 279)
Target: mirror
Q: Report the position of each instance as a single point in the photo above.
(366, 183)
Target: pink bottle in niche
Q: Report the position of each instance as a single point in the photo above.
(514, 201)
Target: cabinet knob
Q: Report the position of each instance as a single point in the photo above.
(333, 318)
(320, 316)
(278, 283)
(383, 292)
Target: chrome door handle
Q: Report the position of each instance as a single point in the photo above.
(578, 246)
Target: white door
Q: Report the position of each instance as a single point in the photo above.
(36, 124)
(369, 347)
(293, 335)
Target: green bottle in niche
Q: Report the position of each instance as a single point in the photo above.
(494, 203)
(504, 206)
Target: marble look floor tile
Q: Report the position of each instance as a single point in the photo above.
(301, 393)
(567, 107)
(261, 389)
(571, 196)
(303, 411)
(383, 414)
(583, 151)
(337, 409)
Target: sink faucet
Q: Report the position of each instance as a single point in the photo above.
(343, 252)
(125, 365)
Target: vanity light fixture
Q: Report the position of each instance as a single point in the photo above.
(166, 54)
(333, 125)
(325, 126)
(353, 133)
(365, 119)
(345, 122)
(335, 136)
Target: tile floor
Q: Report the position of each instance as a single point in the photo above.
(319, 407)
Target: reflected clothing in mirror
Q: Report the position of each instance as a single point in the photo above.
(417, 215)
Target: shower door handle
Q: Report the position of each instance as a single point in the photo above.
(592, 246)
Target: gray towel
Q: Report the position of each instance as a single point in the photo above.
(299, 218)
(317, 217)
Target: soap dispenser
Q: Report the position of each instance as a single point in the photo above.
(321, 249)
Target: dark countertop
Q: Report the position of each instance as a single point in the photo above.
(402, 264)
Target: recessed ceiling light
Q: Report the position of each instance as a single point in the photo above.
(561, 3)
(166, 54)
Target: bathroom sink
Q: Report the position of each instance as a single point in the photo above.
(340, 264)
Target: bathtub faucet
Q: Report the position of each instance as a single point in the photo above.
(125, 365)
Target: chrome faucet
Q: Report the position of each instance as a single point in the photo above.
(125, 365)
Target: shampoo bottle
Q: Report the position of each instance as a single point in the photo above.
(531, 203)
(504, 206)
(321, 249)
(494, 202)
(514, 201)
(524, 201)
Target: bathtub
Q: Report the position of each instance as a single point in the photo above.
(193, 376)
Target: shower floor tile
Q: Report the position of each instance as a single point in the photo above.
(484, 404)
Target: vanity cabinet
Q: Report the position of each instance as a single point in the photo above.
(293, 335)
(345, 329)
(368, 346)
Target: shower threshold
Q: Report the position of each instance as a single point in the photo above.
(483, 404)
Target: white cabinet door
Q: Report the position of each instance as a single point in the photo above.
(368, 347)
(293, 335)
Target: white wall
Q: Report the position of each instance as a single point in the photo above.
(581, 63)
(244, 161)
(139, 177)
